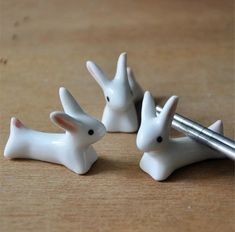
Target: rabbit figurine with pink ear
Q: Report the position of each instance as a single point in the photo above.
(72, 149)
(121, 94)
(163, 155)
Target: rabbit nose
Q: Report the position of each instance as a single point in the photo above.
(141, 143)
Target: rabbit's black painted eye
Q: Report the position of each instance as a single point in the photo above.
(107, 98)
(90, 132)
(159, 139)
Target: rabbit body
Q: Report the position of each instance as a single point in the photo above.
(121, 94)
(163, 155)
(117, 121)
(181, 152)
(72, 149)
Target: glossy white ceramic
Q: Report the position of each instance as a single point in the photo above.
(163, 155)
(72, 149)
(121, 94)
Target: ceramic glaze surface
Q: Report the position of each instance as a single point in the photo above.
(121, 93)
(72, 149)
(163, 155)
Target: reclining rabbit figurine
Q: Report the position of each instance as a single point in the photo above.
(72, 149)
(121, 94)
(162, 155)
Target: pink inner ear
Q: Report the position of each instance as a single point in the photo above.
(18, 123)
(65, 124)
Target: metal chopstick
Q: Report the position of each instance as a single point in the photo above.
(203, 135)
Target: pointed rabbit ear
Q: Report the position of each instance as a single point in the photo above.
(131, 77)
(135, 87)
(168, 111)
(217, 127)
(68, 102)
(121, 73)
(64, 121)
(97, 73)
(148, 107)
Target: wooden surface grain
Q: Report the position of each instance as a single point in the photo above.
(174, 47)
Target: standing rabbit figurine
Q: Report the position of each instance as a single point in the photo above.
(121, 94)
(72, 149)
(162, 155)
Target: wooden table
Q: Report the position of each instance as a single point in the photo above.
(175, 47)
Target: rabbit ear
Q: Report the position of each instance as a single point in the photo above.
(148, 107)
(217, 127)
(135, 87)
(168, 111)
(97, 73)
(64, 121)
(68, 102)
(121, 73)
(131, 78)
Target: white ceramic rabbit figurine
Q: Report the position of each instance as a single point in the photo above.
(72, 149)
(121, 94)
(162, 155)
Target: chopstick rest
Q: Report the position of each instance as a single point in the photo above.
(162, 154)
(72, 149)
(120, 94)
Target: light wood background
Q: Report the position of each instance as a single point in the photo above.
(175, 47)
